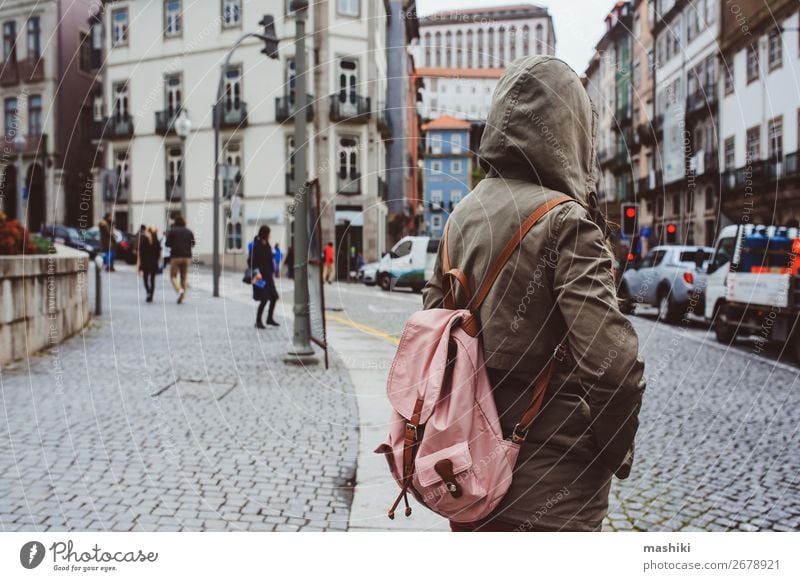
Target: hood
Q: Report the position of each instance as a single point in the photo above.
(541, 128)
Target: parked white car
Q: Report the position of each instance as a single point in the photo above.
(368, 274)
(409, 264)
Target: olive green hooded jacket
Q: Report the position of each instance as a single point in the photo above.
(557, 287)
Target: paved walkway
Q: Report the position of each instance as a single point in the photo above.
(175, 417)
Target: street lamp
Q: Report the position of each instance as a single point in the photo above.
(19, 144)
(183, 127)
(271, 50)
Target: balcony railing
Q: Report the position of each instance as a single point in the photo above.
(349, 184)
(701, 101)
(285, 110)
(9, 73)
(34, 145)
(174, 189)
(32, 70)
(349, 107)
(623, 116)
(232, 188)
(234, 114)
(791, 165)
(119, 126)
(165, 120)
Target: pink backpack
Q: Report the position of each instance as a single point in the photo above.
(445, 444)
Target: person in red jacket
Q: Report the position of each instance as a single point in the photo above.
(328, 271)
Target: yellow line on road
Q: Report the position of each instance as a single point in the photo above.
(364, 328)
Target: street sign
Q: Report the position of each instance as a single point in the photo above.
(645, 232)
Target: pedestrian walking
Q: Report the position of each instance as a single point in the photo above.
(180, 241)
(538, 146)
(261, 261)
(328, 270)
(107, 241)
(290, 262)
(277, 256)
(148, 256)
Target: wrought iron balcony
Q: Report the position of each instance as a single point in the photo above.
(32, 70)
(34, 145)
(165, 120)
(234, 114)
(791, 165)
(701, 102)
(349, 107)
(349, 184)
(285, 110)
(118, 126)
(9, 73)
(233, 187)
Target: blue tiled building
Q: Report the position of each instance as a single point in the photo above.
(448, 170)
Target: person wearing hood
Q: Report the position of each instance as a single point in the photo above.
(556, 289)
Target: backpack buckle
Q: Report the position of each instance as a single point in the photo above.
(560, 352)
(518, 434)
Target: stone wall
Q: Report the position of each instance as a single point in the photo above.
(43, 300)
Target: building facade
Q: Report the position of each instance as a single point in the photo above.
(448, 167)
(155, 74)
(45, 88)
(460, 54)
(759, 113)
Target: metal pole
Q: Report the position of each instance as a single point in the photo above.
(301, 351)
(98, 289)
(182, 176)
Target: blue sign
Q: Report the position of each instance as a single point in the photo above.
(645, 232)
(24, 192)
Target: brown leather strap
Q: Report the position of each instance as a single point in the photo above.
(539, 389)
(445, 252)
(510, 247)
(410, 443)
(449, 279)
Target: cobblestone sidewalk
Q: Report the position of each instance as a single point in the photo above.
(175, 417)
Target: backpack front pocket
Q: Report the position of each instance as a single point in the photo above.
(446, 481)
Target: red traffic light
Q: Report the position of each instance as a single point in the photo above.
(671, 229)
(631, 256)
(630, 212)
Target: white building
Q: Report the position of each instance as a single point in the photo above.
(164, 57)
(759, 114)
(685, 40)
(460, 54)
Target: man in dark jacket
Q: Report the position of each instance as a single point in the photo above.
(107, 242)
(556, 288)
(180, 241)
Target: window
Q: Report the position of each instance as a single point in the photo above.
(98, 110)
(730, 154)
(775, 136)
(501, 46)
(173, 95)
(753, 149)
(436, 197)
(455, 196)
(348, 158)
(676, 204)
(539, 39)
(479, 53)
(709, 198)
(436, 222)
(470, 48)
(455, 167)
(84, 52)
(455, 143)
(403, 249)
(34, 38)
(233, 231)
(231, 13)
(448, 45)
(348, 7)
(348, 80)
(233, 89)
(232, 176)
(775, 49)
(35, 115)
(436, 167)
(637, 74)
(122, 171)
(752, 63)
(172, 18)
(11, 118)
(459, 48)
(10, 41)
(490, 47)
(174, 173)
(729, 80)
(120, 96)
(512, 43)
(436, 143)
(428, 49)
(290, 158)
(438, 48)
(526, 40)
(119, 27)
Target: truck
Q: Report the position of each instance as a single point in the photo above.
(752, 285)
(409, 264)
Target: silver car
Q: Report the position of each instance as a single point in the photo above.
(671, 278)
(368, 274)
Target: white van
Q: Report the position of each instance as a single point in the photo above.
(409, 264)
(752, 284)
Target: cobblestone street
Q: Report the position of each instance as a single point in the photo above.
(166, 417)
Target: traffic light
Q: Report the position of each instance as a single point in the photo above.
(630, 219)
(269, 37)
(672, 233)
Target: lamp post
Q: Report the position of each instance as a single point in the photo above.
(301, 351)
(183, 127)
(19, 144)
(271, 50)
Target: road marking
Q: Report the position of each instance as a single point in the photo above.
(365, 328)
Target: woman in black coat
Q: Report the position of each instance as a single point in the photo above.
(148, 257)
(260, 261)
